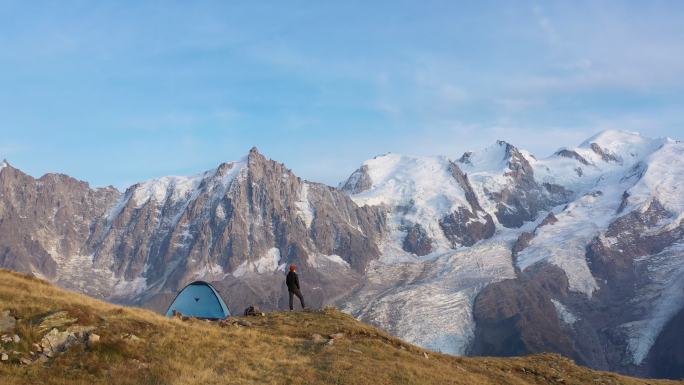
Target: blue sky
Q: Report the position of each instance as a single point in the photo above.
(121, 91)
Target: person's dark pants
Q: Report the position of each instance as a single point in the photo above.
(299, 295)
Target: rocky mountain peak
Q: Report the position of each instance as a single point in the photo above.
(508, 148)
(254, 154)
(358, 182)
(465, 158)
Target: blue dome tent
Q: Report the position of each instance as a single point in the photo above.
(201, 300)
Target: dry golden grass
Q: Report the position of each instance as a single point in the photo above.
(277, 349)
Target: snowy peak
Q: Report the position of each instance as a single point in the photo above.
(621, 147)
(358, 182)
(494, 158)
(174, 189)
(661, 180)
(254, 156)
(398, 180)
(432, 204)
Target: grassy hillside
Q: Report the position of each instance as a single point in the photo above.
(139, 347)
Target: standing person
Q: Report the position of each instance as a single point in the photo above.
(292, 282)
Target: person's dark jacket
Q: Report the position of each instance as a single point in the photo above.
(292, 281)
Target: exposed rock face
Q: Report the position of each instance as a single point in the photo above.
(666, 359)
(522, 242)
(638, 261)
(358, 182)
(227, 224)
(462, 227)
(417, 241)
(606, 155)
(516, 317)
(572, 154)
(613, 256)
(522, 199)
(548, 220)
(532, 313)
(526, 237)
(465, 158)
(46, 218)
(466, 226)
(633, 261)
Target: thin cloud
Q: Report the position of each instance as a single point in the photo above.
(546, 26)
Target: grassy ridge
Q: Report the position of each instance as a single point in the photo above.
(275, 349)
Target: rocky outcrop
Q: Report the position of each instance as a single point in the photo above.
(516, 317)
(572, 155)
(465, 158)
(521, 243)
(666, 358)
(632, 236)
(523, 198)
(56, 341)
(548, 220)
(535, 312)
(465, 226)
(605, 154)
(358, 182)
(417, 240)
(526, 237)
(462, 227)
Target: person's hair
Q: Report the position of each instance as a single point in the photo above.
(293, 267)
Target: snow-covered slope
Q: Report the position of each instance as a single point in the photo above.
(418, 190)
(549, 211)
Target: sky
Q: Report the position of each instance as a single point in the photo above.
(118, 92)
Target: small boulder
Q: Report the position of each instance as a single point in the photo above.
(355, 351)
(16, 339)
(56, 342)
(336, 336)
(92, 339)
(317, 338)
(25, 361)
(4, 357)
(330, 343)
(7, 322)
(425, 355)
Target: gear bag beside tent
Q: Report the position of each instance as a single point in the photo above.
(200, 300)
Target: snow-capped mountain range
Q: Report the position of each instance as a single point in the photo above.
(492, 252)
